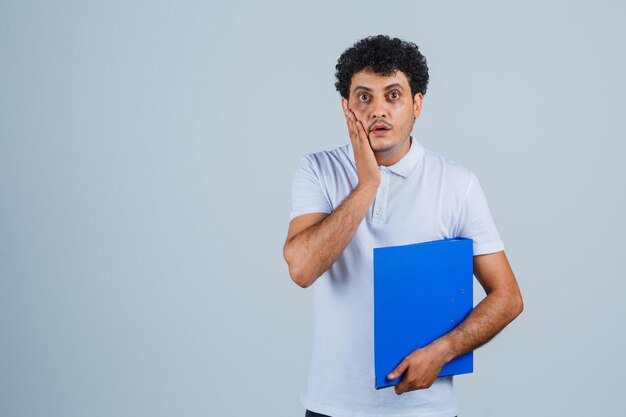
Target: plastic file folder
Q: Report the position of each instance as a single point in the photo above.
(421, 292)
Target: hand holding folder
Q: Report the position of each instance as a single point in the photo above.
(421, 292)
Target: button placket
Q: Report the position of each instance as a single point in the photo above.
(380, 204)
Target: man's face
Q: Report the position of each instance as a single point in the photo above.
(385, 107)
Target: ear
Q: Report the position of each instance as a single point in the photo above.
(417, 104)
(344, 104)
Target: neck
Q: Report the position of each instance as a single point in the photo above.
(391, 156)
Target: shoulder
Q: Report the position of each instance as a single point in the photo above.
(449, 171)
(330, 160)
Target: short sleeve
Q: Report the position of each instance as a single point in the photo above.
(476, 222)
(306, 191)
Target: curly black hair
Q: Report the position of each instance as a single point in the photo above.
(383, 55)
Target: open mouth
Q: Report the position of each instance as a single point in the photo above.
(380, 130)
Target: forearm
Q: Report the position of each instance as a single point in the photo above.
(487, 319)
(313, 250)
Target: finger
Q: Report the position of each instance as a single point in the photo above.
(350, 115)
(398, 370)
(353, 129)
(351, 121)
(359, 129)
(362, 132)
(401, 388)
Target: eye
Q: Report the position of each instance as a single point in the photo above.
(394, 95)
(363, 95)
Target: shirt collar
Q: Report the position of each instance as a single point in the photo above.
(406, 164)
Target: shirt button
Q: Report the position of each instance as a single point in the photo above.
(379, 211)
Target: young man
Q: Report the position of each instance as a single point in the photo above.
(384, 189)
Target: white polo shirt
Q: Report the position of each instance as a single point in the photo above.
(422, 197)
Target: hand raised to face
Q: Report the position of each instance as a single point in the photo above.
(366, 164)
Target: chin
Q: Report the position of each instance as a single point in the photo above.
(381, 144)
(382, 148)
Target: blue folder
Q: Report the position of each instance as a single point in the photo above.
(421, 292)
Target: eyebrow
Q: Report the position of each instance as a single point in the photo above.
(390, 86)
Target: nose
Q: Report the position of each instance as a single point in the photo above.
(378, 109)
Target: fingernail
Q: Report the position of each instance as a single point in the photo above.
(390, 376)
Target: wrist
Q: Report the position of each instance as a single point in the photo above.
(370, 186)
(444, 349)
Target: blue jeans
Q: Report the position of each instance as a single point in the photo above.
(310, 413)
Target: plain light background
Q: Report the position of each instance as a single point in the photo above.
(146, 157)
